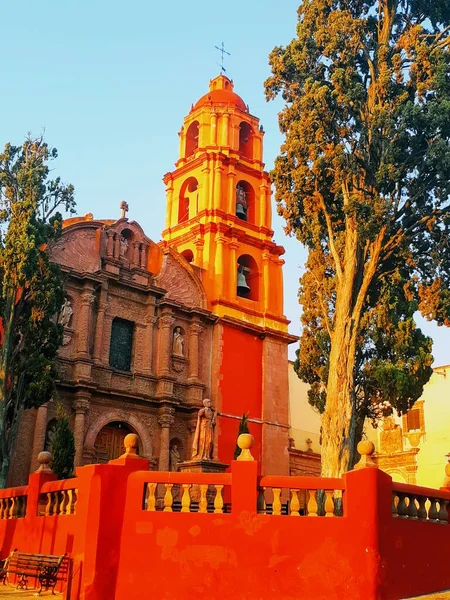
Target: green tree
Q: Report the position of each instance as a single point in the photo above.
(63, 446)
(31, 287)
(363, 181)
(243, 428)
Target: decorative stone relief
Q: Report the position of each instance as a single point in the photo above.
(181, 282)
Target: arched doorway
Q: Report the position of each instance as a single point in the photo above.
(109, 441)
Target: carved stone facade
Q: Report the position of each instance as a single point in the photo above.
(115, 273)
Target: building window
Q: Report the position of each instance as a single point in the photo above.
(413, 420)
(121, 344)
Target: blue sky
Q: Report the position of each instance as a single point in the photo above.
(110, 83)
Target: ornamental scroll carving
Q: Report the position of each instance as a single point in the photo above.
(180, 282)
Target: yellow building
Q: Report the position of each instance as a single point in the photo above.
(411, 448)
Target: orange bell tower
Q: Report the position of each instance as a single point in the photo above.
(219, 218)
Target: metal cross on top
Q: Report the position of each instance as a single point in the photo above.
(222, 50)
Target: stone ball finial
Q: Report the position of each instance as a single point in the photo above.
(131, 444)
(44, 459)
(366, 449)
(447, 470)
(245, 442)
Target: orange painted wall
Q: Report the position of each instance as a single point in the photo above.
(240, 388)
(122, 551)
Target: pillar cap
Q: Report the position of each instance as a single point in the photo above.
(245, 443)
(366, 449)
(44, 458)
(131, 443)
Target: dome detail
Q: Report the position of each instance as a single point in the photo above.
(221, 94)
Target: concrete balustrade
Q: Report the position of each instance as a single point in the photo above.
(230, 534)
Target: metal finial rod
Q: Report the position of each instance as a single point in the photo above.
(222, 50)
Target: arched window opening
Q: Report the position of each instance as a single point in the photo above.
(187, 205)
(175, 453)
(188, 255)
(192, 139)
(109, 443)
(247, 278)
(245, 202)
(121, 344)
(246, 140)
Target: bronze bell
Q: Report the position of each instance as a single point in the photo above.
(240, 212)
(242, 286)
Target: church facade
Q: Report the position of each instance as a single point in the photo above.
(151, 330)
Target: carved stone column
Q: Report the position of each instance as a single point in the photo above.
(266, 279)
(232, 279)
(194, 332)
(117, 247)
(40, 430)
(139, 348)
(166, 322)
(148, 344)
(220, 272)
(99, 326)
(166, 419)
(135, 255)
(81, 406)
(144, 250)
(110, 243)
(87, 298)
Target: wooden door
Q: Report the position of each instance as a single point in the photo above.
(109, 442)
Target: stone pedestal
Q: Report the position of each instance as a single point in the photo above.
(202, 466)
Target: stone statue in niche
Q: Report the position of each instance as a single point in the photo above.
(174, 458)
(202, 447)
(178, 342)
(241, 203)
(66, 313)
(123, 246)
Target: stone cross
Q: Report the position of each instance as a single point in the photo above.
(124, 208)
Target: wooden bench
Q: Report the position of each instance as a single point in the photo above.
(46, 568)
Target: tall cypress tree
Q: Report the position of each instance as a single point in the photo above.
(31, 287)
(363, 182)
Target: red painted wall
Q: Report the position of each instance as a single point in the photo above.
(240, 388)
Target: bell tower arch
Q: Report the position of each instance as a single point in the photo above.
(219, 218)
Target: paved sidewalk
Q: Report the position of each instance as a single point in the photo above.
(9, 592)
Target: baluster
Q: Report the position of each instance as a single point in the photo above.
(2, 508)
(412, 508)
(329, 503)
(443, 512)
(151, 496)
(312, 503)
(48, 506)
(422, 511)
(63, 503)
(433, 514)
(75, 493)
(394, 504)
(55, 503)
(186, 499)
(261, 502)
(69, 505)
(402, 507)
(218, 500)
(13, 509)
(276, 506)
(168, 498)
(295, 503)
(203, 502)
